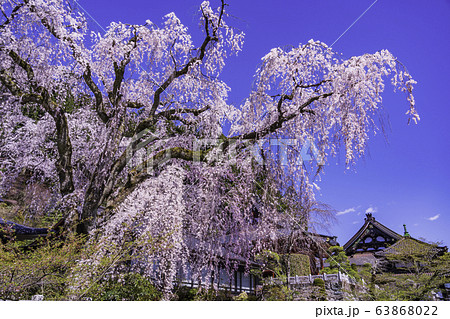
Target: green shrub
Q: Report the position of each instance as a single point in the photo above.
(277, 293)
(42, 269)
(299, 265)
(365, 272)
(243, 296)
(318, 293)
(184, 293)
(214, 295)
(270, 261)
(319, 282)
(339, 261)
(130, 286)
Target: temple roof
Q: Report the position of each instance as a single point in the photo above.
(411, 246)
(363, 258)
(366, 238)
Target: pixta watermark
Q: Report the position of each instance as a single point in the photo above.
(148, 152)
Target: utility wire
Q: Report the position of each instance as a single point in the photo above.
(85, 11)
(362, 14)
(103, 29)
(353, 23)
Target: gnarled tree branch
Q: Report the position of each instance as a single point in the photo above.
(42, 97)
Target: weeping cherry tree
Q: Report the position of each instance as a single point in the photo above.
(127, 129)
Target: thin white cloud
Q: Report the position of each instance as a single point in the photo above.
(371, 210)
(348, 210)
(434, 217)
(355, 222)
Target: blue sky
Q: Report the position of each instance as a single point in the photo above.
(405, 178)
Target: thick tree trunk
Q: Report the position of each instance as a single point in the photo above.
(93, 195)
(64, 162)
(95, 192)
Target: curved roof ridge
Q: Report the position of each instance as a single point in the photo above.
(367, 221)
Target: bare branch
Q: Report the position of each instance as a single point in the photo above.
(10, 84)
(120, 163)
(14, 12)
(140, 173)
(87, 76)
(177, 73)
(42, 97)
(282, 119)
(171, 112)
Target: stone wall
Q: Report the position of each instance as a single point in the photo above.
(336, 287)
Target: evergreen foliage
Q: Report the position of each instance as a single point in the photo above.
(339, 262)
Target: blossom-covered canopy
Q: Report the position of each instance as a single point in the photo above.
(127, 128)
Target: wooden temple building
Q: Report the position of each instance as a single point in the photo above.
(370, 238)
(374, 241)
